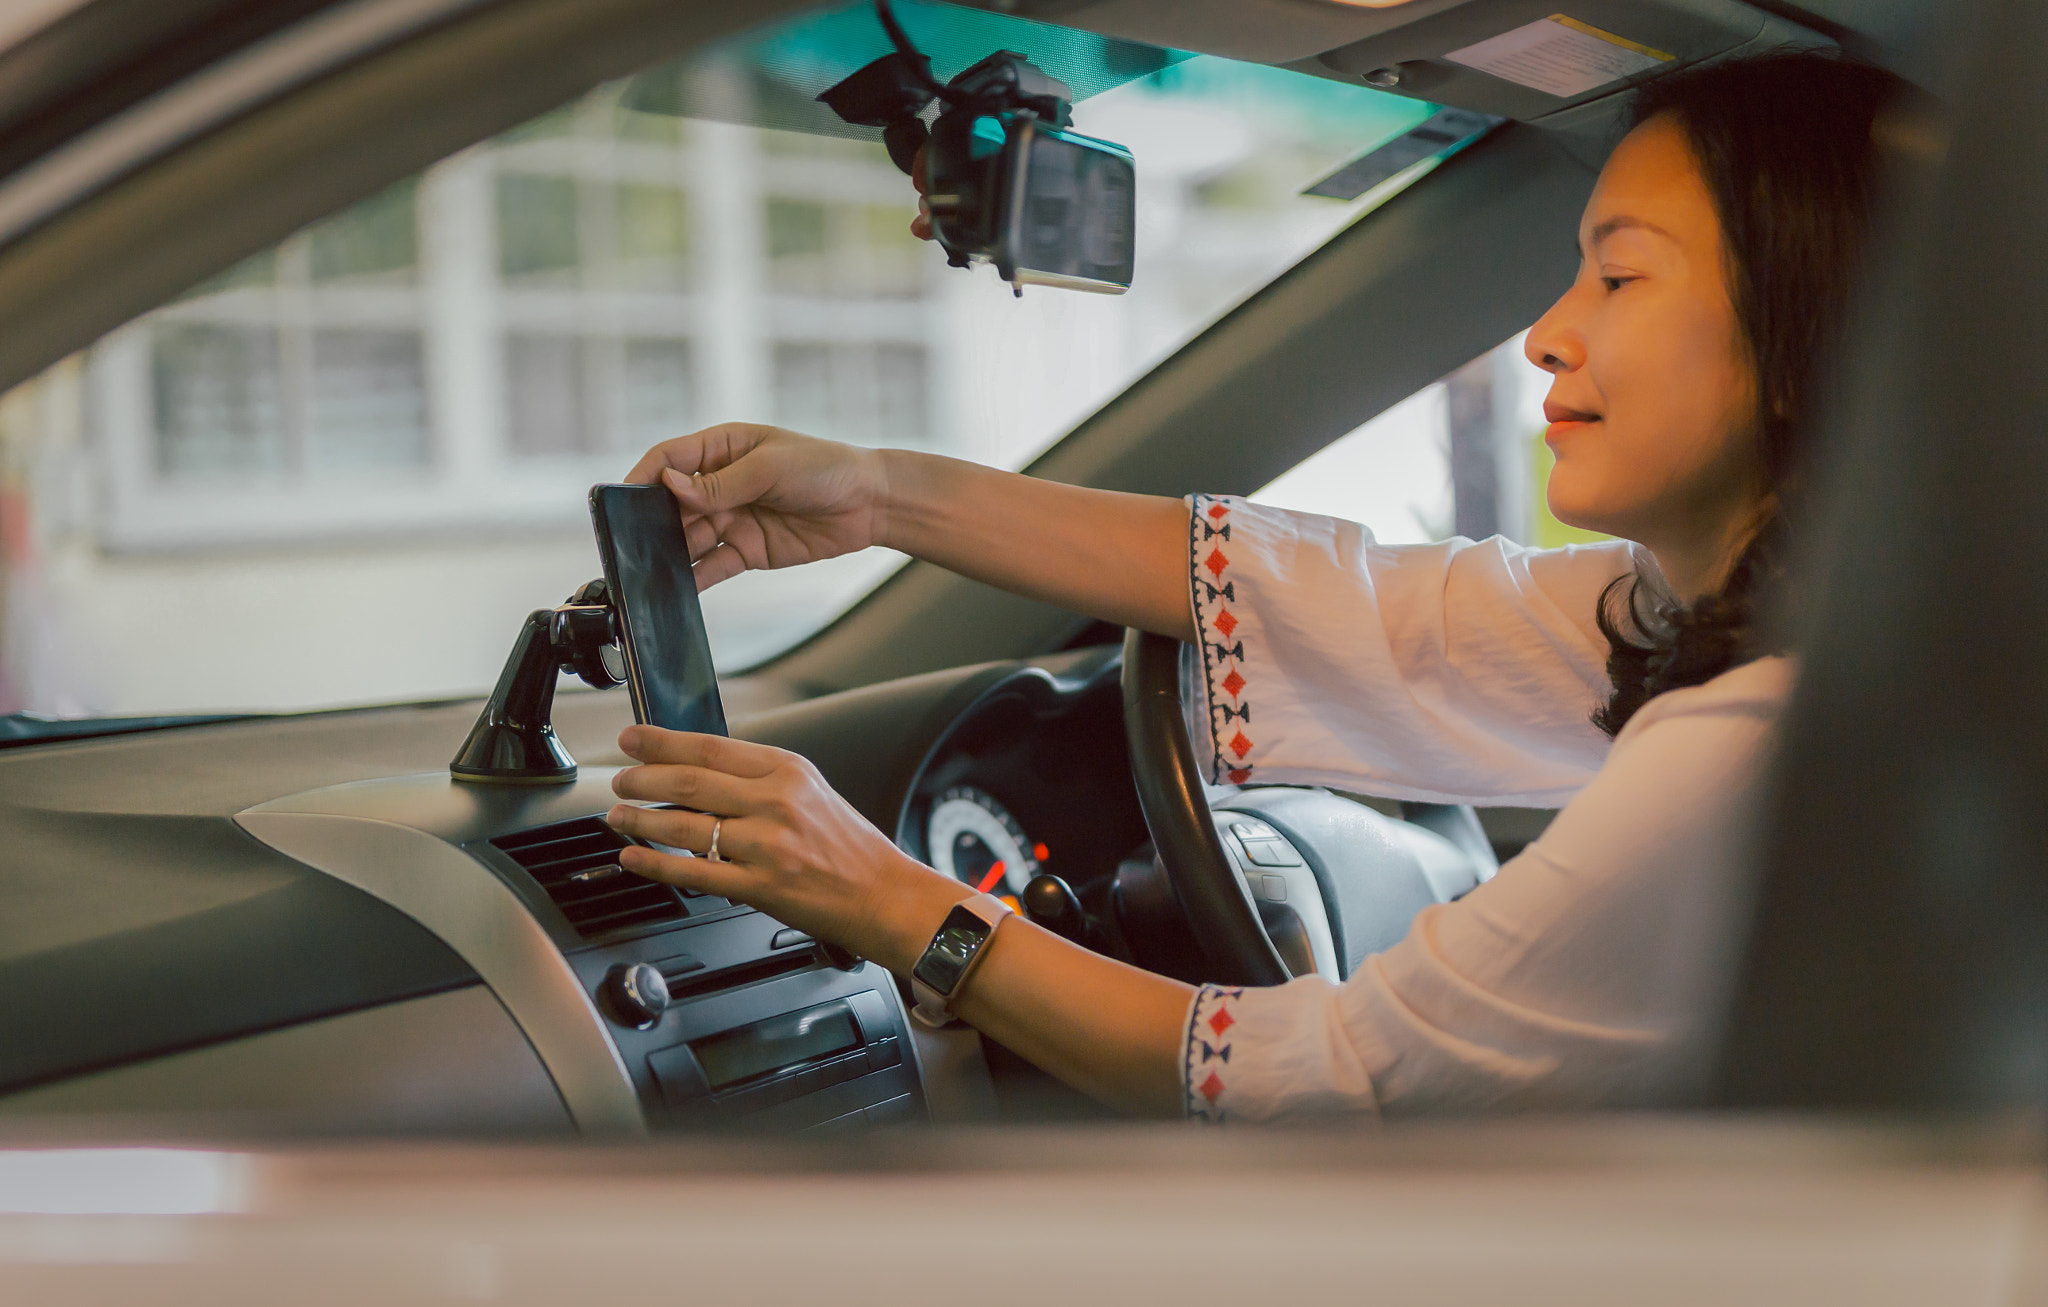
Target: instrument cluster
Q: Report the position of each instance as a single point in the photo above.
(1032, 777)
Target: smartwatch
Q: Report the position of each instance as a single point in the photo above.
(951, 956)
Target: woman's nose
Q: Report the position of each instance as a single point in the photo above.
(1554, 344)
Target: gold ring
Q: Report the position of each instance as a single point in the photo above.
(711, 854)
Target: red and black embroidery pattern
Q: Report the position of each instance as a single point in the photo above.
(1215, 589)
(1206, 1066)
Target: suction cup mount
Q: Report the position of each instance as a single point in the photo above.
(513, 742)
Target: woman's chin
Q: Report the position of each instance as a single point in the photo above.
(1579, 512)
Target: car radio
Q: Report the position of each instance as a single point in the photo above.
(757, 1030)
(720, 1014)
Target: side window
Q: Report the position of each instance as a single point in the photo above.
(1463, 456)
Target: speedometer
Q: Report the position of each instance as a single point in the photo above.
(975, 840)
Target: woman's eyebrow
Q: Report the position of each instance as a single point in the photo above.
(1621, 220)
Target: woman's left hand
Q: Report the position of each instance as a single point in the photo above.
(789, 845)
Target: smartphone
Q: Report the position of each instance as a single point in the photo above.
(661, 626)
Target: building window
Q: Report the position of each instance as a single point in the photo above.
(534, 311)
(219, 404)
(367, 401)
(863, 393)
(302, 361)
(595, 394)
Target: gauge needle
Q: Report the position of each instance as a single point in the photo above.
(988, 882)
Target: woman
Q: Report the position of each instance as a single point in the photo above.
(1629, 682)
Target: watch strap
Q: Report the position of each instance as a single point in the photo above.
(934, 1006)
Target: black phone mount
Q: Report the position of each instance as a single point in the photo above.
(513, 742)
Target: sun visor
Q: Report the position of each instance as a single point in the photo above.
(772, 76)
(1529, 59)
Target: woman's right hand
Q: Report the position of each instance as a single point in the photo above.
(760, 497)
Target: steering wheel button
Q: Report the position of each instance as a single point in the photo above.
(1273, 889)
(1253, 830)
(1271, 853)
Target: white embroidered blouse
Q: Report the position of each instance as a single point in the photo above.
(1590, 969)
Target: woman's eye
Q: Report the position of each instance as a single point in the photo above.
(1615, 283)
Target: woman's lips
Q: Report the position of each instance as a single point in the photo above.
(1559, 430)
(1564, 420)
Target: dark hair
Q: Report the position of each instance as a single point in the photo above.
(1784, 144)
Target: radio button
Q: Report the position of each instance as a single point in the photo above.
(676, 1071)
(873, 1011)
(636, 993)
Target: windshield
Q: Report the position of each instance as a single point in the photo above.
(370, 445)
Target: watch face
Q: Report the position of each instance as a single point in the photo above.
(958, 940)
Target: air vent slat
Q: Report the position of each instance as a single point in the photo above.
(553, 871)
(556, 855)
(592, 898)
(561, 850)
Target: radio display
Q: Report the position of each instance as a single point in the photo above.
(777, 1043)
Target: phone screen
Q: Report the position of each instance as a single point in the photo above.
(647, 565)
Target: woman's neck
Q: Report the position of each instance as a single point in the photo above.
(1698, 564)
(1689, 574)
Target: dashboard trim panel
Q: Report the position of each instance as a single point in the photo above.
(466, 905)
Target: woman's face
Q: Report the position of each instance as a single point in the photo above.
(1652, 395)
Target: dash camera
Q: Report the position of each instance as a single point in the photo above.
(1006, 180)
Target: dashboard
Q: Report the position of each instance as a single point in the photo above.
(303, 924)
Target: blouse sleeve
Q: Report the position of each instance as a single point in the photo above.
(1458, 672)
(1588, 972)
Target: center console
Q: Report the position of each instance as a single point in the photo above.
(652, 1008)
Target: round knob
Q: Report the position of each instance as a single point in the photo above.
(636, 994)
(1052, 903)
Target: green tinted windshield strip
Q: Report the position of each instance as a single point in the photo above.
(770, 78)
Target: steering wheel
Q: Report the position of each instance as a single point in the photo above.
(1177, 811)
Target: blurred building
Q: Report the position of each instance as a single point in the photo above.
(342, 471)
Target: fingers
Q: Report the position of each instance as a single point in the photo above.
(722, 563)
(701, 534)
(699, 451)
(681, 830)
(920, 177)
(723, 488)
(652, 744)
(699, 788)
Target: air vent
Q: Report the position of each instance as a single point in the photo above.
(577, 863)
